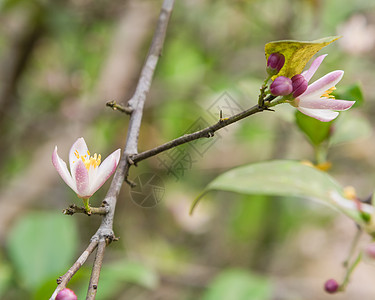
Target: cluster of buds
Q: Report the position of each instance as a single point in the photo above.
(283, 86)
(314, 100)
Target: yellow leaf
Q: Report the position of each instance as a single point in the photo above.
(296, 53)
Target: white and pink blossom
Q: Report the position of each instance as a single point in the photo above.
(316, 101)
(87, 174)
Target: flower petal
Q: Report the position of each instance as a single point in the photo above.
(81, 147)
(350, 204)
(81, 176)
(326, 103)
(314, 66)
(319, 87)
(62, 169)
(324, 115)
(105, 170)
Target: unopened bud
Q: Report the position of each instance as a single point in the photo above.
(299, 85)
(274, 63)
(331, 286)
(370, 250)
(281, 86)
(66, 294)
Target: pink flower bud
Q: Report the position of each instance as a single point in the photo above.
(281, 86)
(370, 250)
(66, 294)
(299, 85)
(274, 63)
(331, 286)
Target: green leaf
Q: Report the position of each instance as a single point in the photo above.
(352, 92)
(297, 53)
(5, 275)
(350, 127)
(281, 178)
(237, 284)
(42, 245)
(316, 131)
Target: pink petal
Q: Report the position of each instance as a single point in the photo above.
(62, 169)
(319, 87)
(323, 115)
(326, 103)
(81, 147)
(105, 170)
(81, 176)
(314, 66)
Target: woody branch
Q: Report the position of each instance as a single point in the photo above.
(104, 235)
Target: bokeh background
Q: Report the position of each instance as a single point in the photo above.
(61, 61)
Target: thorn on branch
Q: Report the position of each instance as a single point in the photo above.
(124, 109)
(130, 160)
(211, 134)
(130, 182)
(264, 107)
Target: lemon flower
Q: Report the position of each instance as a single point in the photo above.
(87, 173)
(315, 100)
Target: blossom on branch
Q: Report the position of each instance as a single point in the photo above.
(87, 173)
(316, 100)
(66, 294)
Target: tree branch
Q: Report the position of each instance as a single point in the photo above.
(203, 133)
(104, 235)
(144, 83)
(62, 281)
(93, 285)
(136, 103)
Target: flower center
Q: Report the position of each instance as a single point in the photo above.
(89, 160)
(327, 93)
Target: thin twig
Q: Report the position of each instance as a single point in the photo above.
(93, 285)
(204, 133)
(74, 209)
(119, 107)
(62, 281)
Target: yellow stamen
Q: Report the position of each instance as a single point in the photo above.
(327, 93)
(350, 193)
(93, 161)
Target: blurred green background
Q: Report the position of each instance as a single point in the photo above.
(61, 61)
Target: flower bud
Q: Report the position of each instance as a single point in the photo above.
(331, 286)
(66, 294)
(299, 85)
(281, 86)
(274, 63)
(370, 250)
